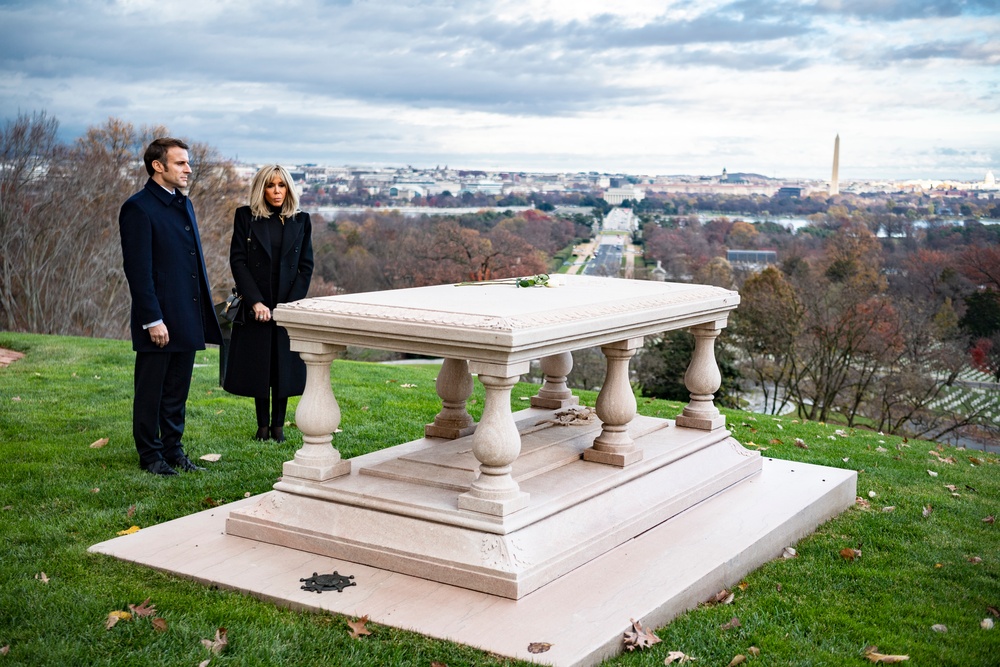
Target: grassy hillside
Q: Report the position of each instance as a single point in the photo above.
(933, 559)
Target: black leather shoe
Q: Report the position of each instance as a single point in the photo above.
(262, 434)
(160, 467)
(182, 462)
(277, 434)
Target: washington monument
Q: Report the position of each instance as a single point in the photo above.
(835, 178)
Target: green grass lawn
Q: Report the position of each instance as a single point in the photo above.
(932, 560)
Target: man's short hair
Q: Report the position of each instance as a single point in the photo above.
(158, 151)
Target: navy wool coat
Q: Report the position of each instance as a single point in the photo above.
(165, 269)
(248, 369)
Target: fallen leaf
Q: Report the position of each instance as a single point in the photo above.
(932, 473)
(677, 656)
(639, 637)
(738, 659)
(849, 554)
(358, 627)
(212, 458)
(130, 530)
(204, 663)
(219, 644)
(974, 461)
(990, 520)
(754, 651)
(975, 560)
(789, 552)
(775, 441)
(539, 647)
(743, 585)
(246, 495)
(872, 654)
(723, 596)
(862, 503)
(986, 623)
(733, 623)
(130, 512)
(799, 442)
(97, 444)
(939, 627)
(951, 487)
(95, 490)
(144, 609)
(159, 624)
(116, 616)
(927, 511)
(4, 650)
(888, 508)
(42, 577)
(435, 663)
(872, 494)
(208, 501)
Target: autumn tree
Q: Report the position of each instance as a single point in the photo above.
(765, 328)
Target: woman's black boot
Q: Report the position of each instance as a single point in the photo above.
(277, 434)
(262, 433)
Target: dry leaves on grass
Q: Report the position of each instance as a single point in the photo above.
(144, 609)
(4, 650)
(42, 577)
(97, 444)
(129, 530)
(928, 509)
(115, 616)
(359, 627)
(211, 458)
(986, 623)
(219, 644)
(939, 627)
(539, 647)
(872, 654)
(159, 624)
(725, 596)
(639, 637)
(733, 623)
(990, 520)
(789, 552)
(677, 656)
(849, 554)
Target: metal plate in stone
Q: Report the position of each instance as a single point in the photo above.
(318, 583)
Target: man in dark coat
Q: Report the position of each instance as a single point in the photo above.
(172, 314)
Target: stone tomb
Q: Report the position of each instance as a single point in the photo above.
(523, 500)
(518, 500)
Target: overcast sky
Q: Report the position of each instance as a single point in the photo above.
(635, 86)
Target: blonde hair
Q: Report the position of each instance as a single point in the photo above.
(258, 204)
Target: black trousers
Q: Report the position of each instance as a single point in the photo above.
(162, 383)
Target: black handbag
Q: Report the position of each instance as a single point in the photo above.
(230, 311)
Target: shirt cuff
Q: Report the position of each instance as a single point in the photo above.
(152, 324)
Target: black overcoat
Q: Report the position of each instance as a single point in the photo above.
(248, 369)
(166, 272)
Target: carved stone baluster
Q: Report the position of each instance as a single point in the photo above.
(496, 444)
(317, 416)
(554, 393)
(454, 386)
(616, 407)
(703, 379)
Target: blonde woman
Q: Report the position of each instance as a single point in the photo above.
(272, 262)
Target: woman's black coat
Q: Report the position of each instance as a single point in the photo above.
(248, 369)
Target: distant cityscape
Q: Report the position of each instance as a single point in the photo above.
(404, 184)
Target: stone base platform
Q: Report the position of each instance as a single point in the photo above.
(652, 578)
(399, 508)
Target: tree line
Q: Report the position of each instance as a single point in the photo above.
(874, 328)
(60, 253)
